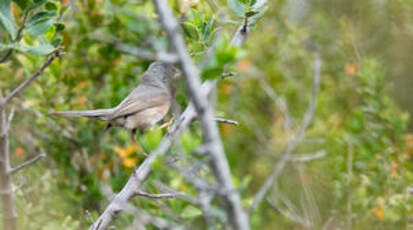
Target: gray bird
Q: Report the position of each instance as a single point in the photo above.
(146, 105)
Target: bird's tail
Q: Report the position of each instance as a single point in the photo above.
(98, 113)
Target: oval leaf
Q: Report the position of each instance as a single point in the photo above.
(7, 19)
(237, 7)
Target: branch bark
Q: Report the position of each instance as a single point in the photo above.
(211, 137)
(6, 192)
(12, 171)
(134, 183)
(139, 176)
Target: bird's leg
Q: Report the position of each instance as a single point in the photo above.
(138, 142)
(167, 125)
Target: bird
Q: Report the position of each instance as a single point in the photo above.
(145, 106)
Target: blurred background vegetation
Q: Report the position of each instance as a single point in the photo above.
(361, 120)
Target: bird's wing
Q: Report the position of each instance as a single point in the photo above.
(141, 98)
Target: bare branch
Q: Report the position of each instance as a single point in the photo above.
(135, 181)
(226, 121)
(27, 163)
(23, 85)
(157, 196)
(139, 176)
(282, 105)
(219, 162)
(10, 119)
(308, 157)
(6, 56)
(291, 146)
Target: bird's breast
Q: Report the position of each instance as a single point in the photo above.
(146, 118)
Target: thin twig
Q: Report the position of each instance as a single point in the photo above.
(23, 85)
(308, 157)
(291, 146)
(89, 216)
(226, 121)
(27, 163)
(157, 196)
(10, 119)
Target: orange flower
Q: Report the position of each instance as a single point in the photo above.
(19, 151)
(129, 162)
(351, 69)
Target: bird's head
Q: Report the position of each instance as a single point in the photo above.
(161, 71)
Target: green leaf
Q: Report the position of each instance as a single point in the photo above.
(191, 30)
(59, 26)
(24, 4)
(38, 2)
(237, 7)
(251, 13)
(260, 12)
(191, 212)
(7, 19)
(57, 41)
(40, 50)
(39, 27)
(51, 6)
(41, 16)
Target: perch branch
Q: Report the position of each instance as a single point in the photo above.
(219, 162)
(226, 121)
(157, 196)
(135, 181)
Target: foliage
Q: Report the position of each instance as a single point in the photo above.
(361, 181)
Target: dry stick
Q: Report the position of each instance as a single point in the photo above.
(308, 117)
(23, 85)
(26, 164)
(212, 140)
(135, 181)
(157, 196)
(226, 121)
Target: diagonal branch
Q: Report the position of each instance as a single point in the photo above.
(26, 164)
(135, 181)
(157, 196)
(292, 145)
(26, 83)
(139, 176)
(219, 163)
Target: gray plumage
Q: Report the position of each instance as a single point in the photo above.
(143, 107)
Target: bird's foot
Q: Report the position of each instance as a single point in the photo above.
(167, 125)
